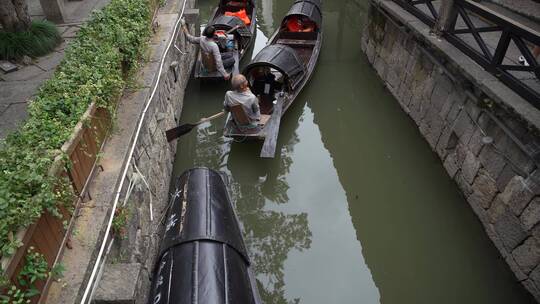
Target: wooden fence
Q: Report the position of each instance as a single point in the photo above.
(49, 234)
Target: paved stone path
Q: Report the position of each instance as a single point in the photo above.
(17, 88)
(530, 8)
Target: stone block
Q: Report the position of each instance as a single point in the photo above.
(535, 276)
(480, 212)
(50, 62)
(456, 108)
(462, 183)
(472, 109)
(148, 75)
(475, 143)
(484, 190)
(532, 288)
(492, 160)
(497, 209)
(504, 178)
(470, 167)
(431, 127)
(442, 144)
(496, 239)
(461, 154)
(119, 284)
(380, 66)
(441, 92)
(527, 255)
(450, 164)
(523, 163)
(520, 275)
(27, 73)
(517, 195)
(509, 227)
(393, 78)
(531, 215)
(370, 52)
(464, 127)
(191, 15)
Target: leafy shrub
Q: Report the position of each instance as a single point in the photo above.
(41, 38)
(93, 70)
(34, 270)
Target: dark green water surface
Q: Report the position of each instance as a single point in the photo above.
(357, 208)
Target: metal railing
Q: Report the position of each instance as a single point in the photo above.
(492, 40)
(414, 7)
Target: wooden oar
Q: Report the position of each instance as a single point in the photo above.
(272, 130)
(173, 134)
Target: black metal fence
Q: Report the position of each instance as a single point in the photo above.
(492, 40)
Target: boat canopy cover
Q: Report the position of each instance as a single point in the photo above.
(280, 57)
(203, 259)
(308, 8)
(225, 2)
(208, 213)
(227, 22)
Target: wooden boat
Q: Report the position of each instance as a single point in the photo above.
(277, 74)
(243, 35)
(203, 258)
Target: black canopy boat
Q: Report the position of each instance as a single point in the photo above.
(203, 258)
(236, 35)
(278, 73)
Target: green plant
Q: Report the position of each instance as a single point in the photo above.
(57, 272)
(14, 295)
(120, 220)
(106, 49)
(35, 269)
(40, 39)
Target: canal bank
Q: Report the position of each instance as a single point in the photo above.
(357, 208)
(108, 259)
(484, 133)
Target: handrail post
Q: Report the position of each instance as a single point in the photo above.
(446, 18)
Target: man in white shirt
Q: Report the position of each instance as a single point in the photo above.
(242, 95)
(209, 48)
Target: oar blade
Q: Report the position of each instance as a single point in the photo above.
(177, 132)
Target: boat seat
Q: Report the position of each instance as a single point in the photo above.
(297, 42)
(239, 115)
(264, 119)
(241, 118)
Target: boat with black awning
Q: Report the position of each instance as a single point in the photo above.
(279, 72)
(235, 23)
(202, 258)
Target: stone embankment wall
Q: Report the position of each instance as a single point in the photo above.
(485, 134)
(126, 276)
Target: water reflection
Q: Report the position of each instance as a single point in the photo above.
(420, 239)
(355, 209)
(256, 185)
(259, 185)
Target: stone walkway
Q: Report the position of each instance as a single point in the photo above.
(17, 88)
(491, 39)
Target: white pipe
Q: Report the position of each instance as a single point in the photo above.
(149, 191)
(132, 149)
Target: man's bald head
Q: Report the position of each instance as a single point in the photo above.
(239, 82)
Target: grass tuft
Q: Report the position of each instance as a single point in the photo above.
(40, 39)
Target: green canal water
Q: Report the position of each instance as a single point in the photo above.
(357, 208)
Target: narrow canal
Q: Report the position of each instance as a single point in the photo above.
(357, 209)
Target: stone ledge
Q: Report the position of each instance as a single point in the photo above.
(93, 219)
(120, 284)
(473, 72)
